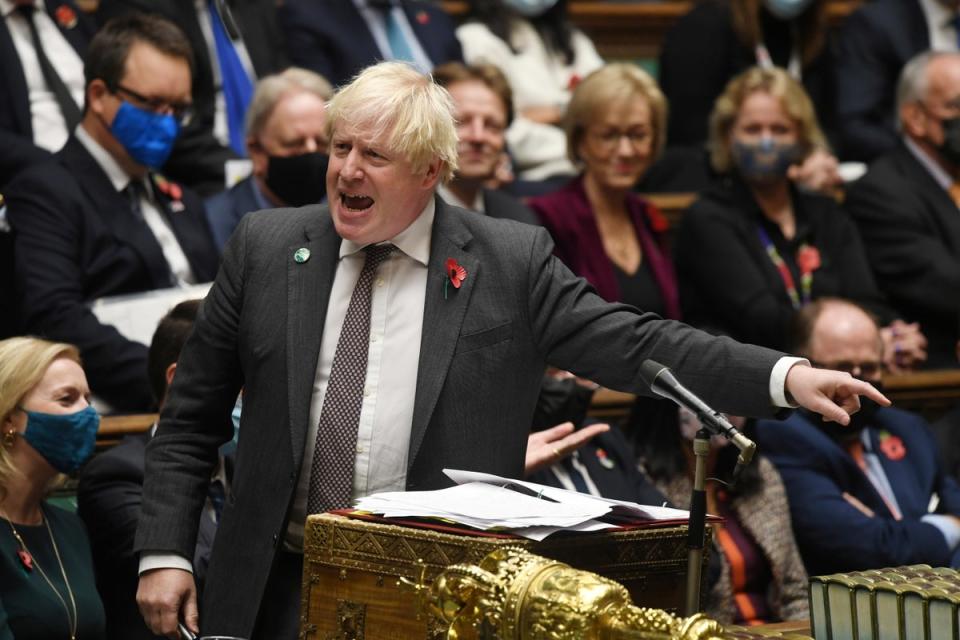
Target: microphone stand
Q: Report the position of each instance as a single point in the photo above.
(698, 519)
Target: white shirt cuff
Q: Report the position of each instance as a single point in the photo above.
(150, 560)
(948, 527)
(778, 380)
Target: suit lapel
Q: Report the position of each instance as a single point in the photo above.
(114, 210)
(900, 475)
(16, 83)
(442, 318)
(308, 293)
(69, 24)
(939, 201)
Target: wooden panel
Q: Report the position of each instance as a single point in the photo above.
(113, 428)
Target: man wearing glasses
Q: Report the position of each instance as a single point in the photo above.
(871, 494)
(97, 221)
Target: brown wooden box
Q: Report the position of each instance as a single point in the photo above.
(351, 570)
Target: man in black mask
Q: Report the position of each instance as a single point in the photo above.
(287, 144)
(861, 496)
(906, 206)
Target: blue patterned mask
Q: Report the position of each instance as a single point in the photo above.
(147, 136)
(64, 440)
(787, 9)
(530, 8)
(767, 159)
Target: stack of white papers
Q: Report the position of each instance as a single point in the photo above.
(489, 502)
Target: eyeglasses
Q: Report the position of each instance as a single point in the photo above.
(868, 370)
(608, 139)
(182, 112)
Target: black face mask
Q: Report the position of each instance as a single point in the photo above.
(858, 421)
(950, 149)
(298, 180)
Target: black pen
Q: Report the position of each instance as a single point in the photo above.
(527, 491)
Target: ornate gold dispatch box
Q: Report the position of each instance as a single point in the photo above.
(352, 569)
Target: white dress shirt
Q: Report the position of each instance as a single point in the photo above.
(49, 128)
(940, 26)
(176, 258)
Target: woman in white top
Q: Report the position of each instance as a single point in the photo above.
(543, 57)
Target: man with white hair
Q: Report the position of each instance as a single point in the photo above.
(379, 340)
(906, 206)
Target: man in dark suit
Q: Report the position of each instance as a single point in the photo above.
(875, 42)
(95, 221)
(860, 495)
(111, 488)
(32, 123)
(287, 144)
(254, 37)
(338, 38)
(379, 340)
(907, 217)
(483, 108)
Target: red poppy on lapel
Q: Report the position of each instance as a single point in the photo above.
(604, 459)
(423, 17)
(808, 259)
(456, 274)
(66, 16)
(658, 222)
(892, 446)
(172, 190)
(573, 82)
(25, 559)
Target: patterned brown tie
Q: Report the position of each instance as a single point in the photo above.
(334, 454)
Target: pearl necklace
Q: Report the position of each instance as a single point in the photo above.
(28, 561)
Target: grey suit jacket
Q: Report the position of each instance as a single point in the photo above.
(488, 343)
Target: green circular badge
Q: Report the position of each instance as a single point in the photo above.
(301, 255)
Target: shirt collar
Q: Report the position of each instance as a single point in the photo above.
(941, 176)
(938, 14)
(7, 7)
(118, 176)
(444, 192)
(413, 241)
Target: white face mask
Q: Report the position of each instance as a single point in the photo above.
(787, 9)
(530, 8)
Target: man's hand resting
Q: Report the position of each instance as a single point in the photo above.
(162, 595)
(832, 394)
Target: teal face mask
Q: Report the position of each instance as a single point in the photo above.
(63, 440)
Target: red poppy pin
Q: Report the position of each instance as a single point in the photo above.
(66, 16)
(604, 459)
(573, 82)
(658, 222)
(456, 274)
(892, 446)
(423, 17)
(25, 559)
(808, 259)
(173, 191)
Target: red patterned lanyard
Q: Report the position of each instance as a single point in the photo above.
(806, 270)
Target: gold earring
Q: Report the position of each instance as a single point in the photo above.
(9, 437)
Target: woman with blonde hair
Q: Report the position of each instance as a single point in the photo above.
(755, 248)
(615, 128)
(47, 428)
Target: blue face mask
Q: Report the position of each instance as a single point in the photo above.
(147, 136)
(765, 160)
(64, 440)
(530, 8)
(787, 9)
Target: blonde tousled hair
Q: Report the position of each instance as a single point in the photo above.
(395, 100)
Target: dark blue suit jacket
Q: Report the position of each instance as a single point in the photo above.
(833, 536)
(225, 209)
(76, 240)
(332, 38)
(874, 44)
(17, 150)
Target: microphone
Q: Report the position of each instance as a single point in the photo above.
(663, 383)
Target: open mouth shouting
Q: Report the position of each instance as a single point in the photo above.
(355, 202)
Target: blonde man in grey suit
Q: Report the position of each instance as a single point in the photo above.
(463, 316)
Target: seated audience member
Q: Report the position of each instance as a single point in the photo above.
(859, 495)
(111, 485)
(47, 427)
(233, 42)
(761, 577)
(906, 205)
(579, 454)
(603, 231)
(287, 143)
(482, 103)
(872, 47)
(42, 79)
(543, 57)
(338, 39)
(97, 221)
(759, 246)
(718, 39)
